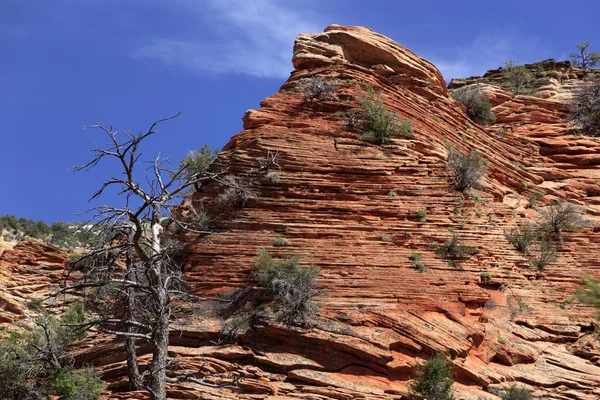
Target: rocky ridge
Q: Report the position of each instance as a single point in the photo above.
(333, 204)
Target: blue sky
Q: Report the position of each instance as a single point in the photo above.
(67, 63)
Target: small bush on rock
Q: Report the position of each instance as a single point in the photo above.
(584, 109)
(522, 237)
(378, 124)
(290, 286)
(433, 379)
(77, 384)
(319, 89)
(466, 170)
(237, 192)
(515, 77)
(516, 393)
(562, 216)
(479, 108)
(454, 248)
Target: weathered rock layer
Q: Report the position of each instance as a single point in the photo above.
(350, 207)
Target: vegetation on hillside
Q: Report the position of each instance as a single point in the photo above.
(433, 379)
(61, 234)
(35, 364)
(377, 124)
(478, 107)
(584, 109)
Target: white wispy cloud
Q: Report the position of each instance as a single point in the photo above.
(485, 52)
(253, 37)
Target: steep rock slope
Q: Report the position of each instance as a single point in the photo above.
(378, 316)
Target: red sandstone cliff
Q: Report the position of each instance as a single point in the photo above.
(379, 316)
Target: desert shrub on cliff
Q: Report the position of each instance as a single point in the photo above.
(318, 88)
(545, 252)
(515, 77)
(515, 393)
(479, 108)
(433, 379)
(523, 236)
(196, 162)
(562, 216)
(466, 169)
(378, 124)
(584, 109)
(34, 362)
(590, 293)
(454, 248)
(290, 286)
(236, 192)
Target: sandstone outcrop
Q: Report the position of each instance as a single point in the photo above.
(28, 271)
(499, 319)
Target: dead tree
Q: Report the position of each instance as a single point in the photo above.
(131, 274)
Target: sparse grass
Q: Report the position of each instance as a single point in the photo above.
(386, 239)
(501, 340)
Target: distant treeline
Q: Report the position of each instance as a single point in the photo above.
(61, 234)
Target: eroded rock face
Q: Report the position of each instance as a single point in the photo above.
(28, 271)
(499, 319)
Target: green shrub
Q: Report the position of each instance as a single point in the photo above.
(196, 162)
(485, 276)
(290, 286)
(584, 109)
(433, 379)
(515, 77)
(280, 242)
(516, 393)
(523, 236)
(386, 239)
(454, 248)
(415, 257)
(77, 384)
(273, 177)
(590, 293)
(391, 193)
(29, 357)
(422, 215)
(501, 340)
(466, 169)
(478, 107)
(378, 124)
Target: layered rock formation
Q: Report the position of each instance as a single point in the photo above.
(28, 271)
(500, 320)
